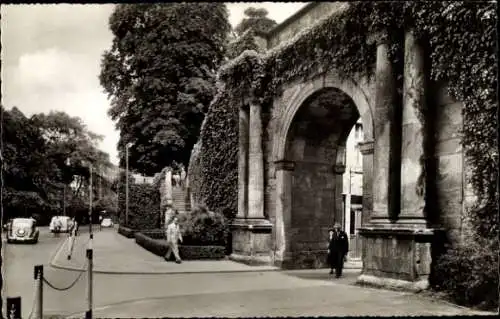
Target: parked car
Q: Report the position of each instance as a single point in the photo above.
(23, 230)
(65, 224)
(107, 222)
(6, 225)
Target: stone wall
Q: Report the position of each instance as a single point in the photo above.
(304, 18)
(450, 179)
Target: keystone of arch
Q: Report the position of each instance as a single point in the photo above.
(308, 88)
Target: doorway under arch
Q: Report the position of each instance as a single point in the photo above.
(310, 177)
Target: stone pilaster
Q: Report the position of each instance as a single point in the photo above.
(339, 171)
(284, 176)
(243, 164)
(383, 126)
(256, 164)
(366, 148)
(412, 165)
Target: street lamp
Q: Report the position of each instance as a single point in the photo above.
(126, 181)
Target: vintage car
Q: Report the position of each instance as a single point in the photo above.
(65, 222)
(107, 222)
(22, 230)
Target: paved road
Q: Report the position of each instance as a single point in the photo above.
(293, 293)
(20, 260)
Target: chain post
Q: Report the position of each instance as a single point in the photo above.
(14, 308)
(88, 314)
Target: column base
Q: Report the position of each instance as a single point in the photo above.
(393, 284)
(397, 257)
(251, 239)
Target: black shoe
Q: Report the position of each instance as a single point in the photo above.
(69, 257)
(178, 261)
(331, 272)
(166, 259)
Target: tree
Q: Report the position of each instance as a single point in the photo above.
(35, 168)
(256, 18)
(73, 149)
(160, 76)
(26, 182)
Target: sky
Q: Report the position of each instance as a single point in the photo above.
(51, 57)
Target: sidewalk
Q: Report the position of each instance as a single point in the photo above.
(115, 254)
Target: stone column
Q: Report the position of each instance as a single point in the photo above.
(243, 164)
(412, 153)
(383, 125)
(168, 187)
(284, 175)
(256, 164)
(366, 148)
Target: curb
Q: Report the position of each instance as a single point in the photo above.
(53, 263)
(172, 272)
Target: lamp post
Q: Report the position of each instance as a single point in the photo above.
(126, 181)
(90, 203)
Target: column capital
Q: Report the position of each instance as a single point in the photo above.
(284, 165)
(378, 37)
(366, 147)
(339, 169)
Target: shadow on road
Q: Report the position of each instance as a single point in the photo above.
(349, 276)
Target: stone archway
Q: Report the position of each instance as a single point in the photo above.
(309, 150)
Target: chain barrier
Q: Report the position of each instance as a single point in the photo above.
(33, 303)
(74, 282)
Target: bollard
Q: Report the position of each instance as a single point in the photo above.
(14, 308)
(88, 314)
(38, 309)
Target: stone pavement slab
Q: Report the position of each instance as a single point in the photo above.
(114, 253)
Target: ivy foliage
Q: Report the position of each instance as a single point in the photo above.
(244, 42)
(461, 39)
(214, 167)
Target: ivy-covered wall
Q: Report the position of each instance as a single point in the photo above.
(460, 40)
(213, 171)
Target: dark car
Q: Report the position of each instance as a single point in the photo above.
(22, 230)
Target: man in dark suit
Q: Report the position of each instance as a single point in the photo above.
(337, 249)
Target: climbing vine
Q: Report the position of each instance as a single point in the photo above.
(215, 164)
(460, 39)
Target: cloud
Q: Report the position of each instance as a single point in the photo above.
(54, 79)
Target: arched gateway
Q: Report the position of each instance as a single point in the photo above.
(291, 166)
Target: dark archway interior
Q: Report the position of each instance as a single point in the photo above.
(316, 143)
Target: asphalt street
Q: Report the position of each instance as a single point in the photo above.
(272, 293)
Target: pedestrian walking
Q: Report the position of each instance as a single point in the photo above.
(72, 236)
(174, 236)
(57, 227)
(183, 177)
(338, 247)
(177, 178)
(100, 222)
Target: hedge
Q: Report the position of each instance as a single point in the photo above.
(126, 231)
(187, 252)
(144, 206)
(130, 232)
